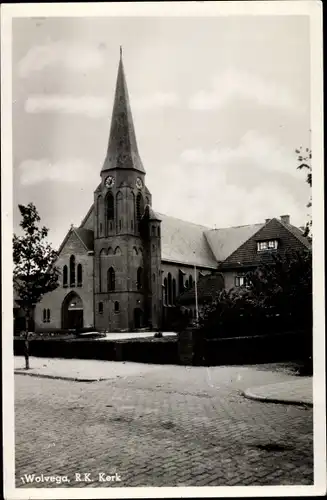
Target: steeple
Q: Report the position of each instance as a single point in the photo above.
(122, 146)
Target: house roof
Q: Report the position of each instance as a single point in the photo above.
(207, 288)
(223, 242)
(289, 238)
(185, 243)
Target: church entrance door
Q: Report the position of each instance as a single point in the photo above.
(72, 312)
(138, 318)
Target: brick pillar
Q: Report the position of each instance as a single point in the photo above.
(186, 347)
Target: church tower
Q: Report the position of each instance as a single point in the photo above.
(125, 295)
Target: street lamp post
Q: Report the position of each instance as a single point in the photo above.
(196, 293)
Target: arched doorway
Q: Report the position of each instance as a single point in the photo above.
(72, 312)
(138, 318)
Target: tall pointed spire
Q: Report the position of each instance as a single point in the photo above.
(122, 146)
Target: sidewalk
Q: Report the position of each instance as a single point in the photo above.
(297, 391)
(80, 370)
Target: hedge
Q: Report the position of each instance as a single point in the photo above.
(161, 351)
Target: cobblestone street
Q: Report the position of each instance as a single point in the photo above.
(174, 426)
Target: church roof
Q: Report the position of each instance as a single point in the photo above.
(185, 243)
(122, 149)
(87, 237)
(223, 242)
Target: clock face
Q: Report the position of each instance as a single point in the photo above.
(109, 182)
(139, 183)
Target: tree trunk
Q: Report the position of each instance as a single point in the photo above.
(26, 342)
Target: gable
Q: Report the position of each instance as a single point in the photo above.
(72, 245)
(247, 254)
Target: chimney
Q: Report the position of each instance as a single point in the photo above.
(285, 219)
(267, 220)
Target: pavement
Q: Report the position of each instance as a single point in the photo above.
(293, 390)
(152, 425)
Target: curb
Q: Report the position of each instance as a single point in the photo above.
(265, 399)
(58, 377)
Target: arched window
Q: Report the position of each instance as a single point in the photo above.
(117, 251)
(100, 307)
(116, 307)
(190, 281)
(139, 279)
(48, 315)
(110, 203)
(174, 291)
(139, 207)
(153, 248)
(103, 254)
(153, 277)
(44, 315)
(119, 210)
(158, 231)
(111, 279)
(72, 270)
(79, 275)
(186, 284)
(170, 290)
(153, 230)
(110, 251)
(65, 276)
(99, 200)
(180, 281)
(165, 292)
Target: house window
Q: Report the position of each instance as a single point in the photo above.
(72, 270)
(241, 281)
(153, 248)
(44, 315)
(79, 275)
(120, 225)
(100, 307)
(48, 315)
(267, 245)
(153, 278)
(190, 281)
(180, 281)
(158, 232)
(153, 231)
(132, 225)
(65, 276)
(116, 307)
(111, 279)
(100, 227)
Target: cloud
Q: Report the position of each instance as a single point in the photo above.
(71, 56)
(156, 100)
(262, 151)
(33, 172)
(232, 84)
(91, 106)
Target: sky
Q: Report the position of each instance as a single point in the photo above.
(219, 104)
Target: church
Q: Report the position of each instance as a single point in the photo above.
(125, 266)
